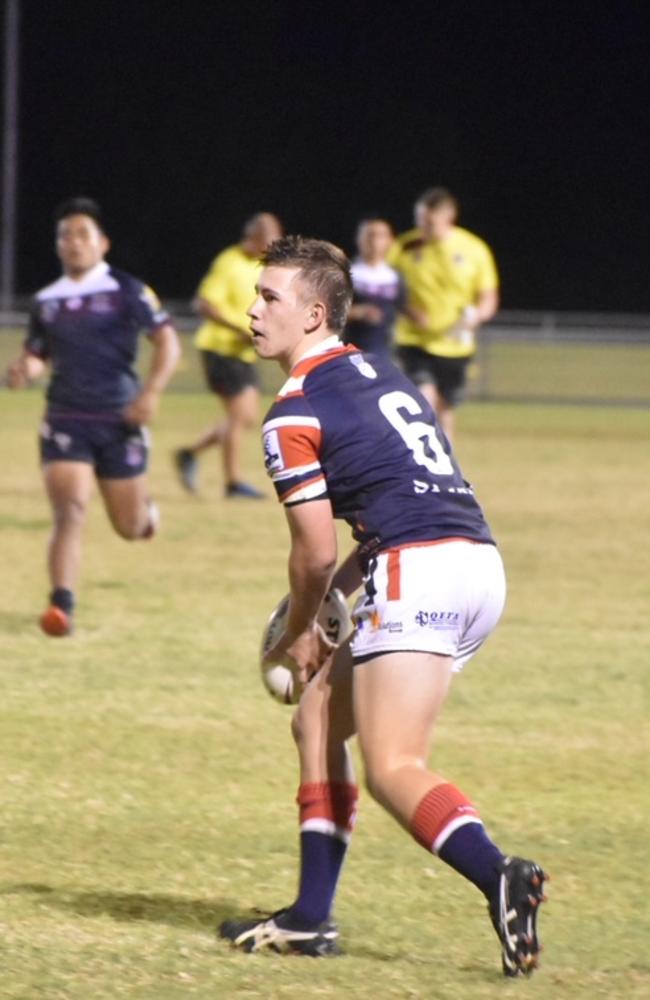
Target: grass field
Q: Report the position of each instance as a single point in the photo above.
(148, 779)
(542, 371)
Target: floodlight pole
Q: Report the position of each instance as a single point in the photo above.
(9, 155)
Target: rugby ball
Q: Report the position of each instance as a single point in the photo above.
(333, 617)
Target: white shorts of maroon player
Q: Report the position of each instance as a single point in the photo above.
(432, 597)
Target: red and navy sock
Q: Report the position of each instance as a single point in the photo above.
(327, 816)
(446, 823)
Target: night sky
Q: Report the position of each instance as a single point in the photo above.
(182, 118)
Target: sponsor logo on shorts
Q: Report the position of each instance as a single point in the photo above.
(134, 451)
(392, 627)
(62, 441)
(439, 620)
(378, 624)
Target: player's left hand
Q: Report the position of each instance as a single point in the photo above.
(142, 409)
(304, 654)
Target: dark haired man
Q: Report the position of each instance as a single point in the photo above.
(349, 437)
(228, 356)
(452, 288)
(86, 326)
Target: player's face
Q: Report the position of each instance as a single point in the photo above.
(374, 240)
(437, 222)
(281, 315)
(80, 244)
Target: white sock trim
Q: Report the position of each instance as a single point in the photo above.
(455, 824)
(327, 827)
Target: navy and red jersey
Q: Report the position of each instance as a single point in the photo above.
(88, 330)
(352, 428)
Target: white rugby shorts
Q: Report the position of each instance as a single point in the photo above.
(437, 597)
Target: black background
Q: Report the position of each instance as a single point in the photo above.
(184, 118)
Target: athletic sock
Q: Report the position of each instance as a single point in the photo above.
(63, 599)
(327, 817)
(446, 823)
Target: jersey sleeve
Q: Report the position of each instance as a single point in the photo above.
(292, 441)
(148, 310)
(487, 277)
(36, 340)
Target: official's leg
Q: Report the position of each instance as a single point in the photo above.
(242, 413)
(210, 438)
(235, 383)
(446, 415)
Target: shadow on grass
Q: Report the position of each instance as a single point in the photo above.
(177, 911)
(199, 914)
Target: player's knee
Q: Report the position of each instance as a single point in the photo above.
(377, 779)
(70, 512)
(382, 778)
(129, 532)
(130, 527)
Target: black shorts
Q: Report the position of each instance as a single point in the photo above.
(115, 450)
(449, 375)
(228, 376)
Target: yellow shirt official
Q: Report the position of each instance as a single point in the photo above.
(442, 278)
(229, 286)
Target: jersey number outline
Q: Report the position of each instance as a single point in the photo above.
(420, 438)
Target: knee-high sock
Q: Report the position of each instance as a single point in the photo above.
(446, 823)
(327, 817)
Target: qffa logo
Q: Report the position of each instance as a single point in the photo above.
(438, 620)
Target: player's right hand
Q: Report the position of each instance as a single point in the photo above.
(304, 654)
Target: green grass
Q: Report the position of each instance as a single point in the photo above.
(148, 780)
(563, 371)
(531, 370)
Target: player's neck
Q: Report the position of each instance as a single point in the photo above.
(439, 237)
(78, 274)
(309, 347)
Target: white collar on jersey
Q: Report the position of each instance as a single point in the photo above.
(329, 344)
(95, 280)
(382, 271)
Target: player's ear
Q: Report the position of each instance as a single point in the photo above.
(106, 245)
(316, 316)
